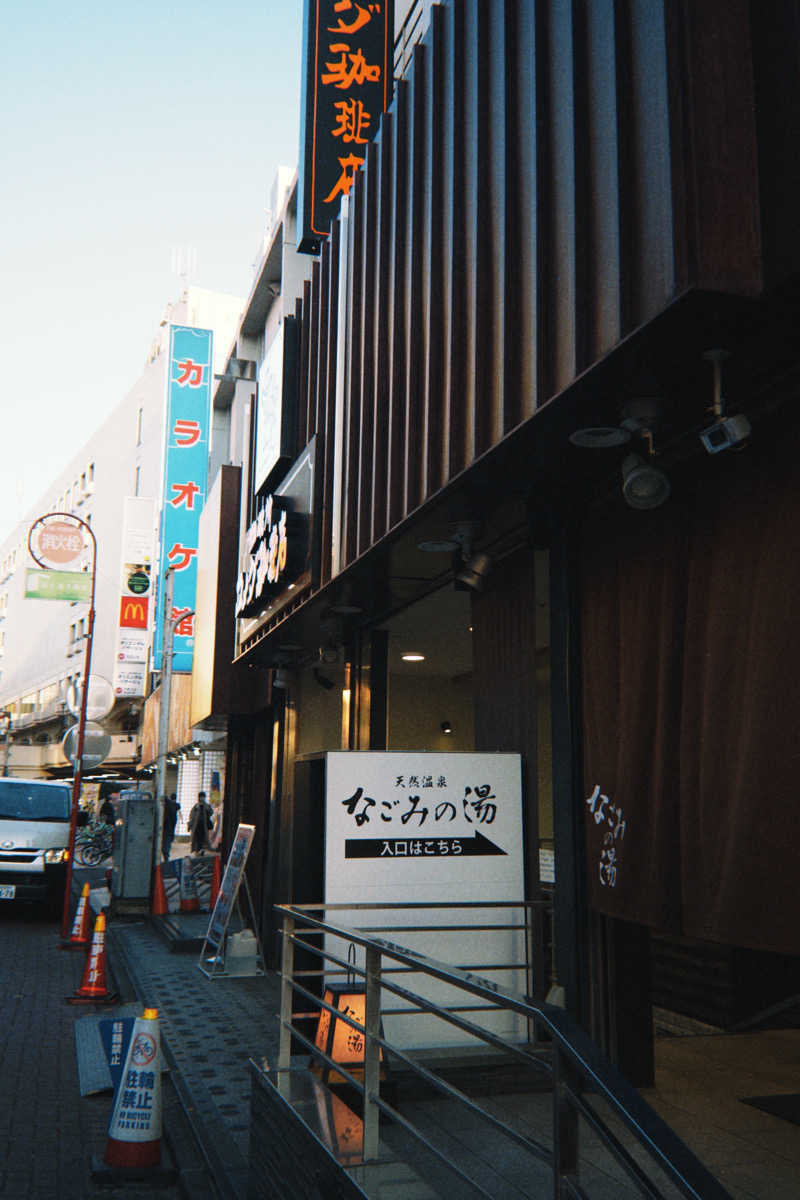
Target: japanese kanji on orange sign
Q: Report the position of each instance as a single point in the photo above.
(347, 86)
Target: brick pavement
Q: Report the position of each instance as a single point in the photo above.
(48, 1132)
(211, 1029)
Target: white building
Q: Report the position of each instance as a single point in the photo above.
(42, 643)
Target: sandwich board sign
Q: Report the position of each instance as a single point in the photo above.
(212, 954)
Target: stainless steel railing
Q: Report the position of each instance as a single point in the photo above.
(586, 1091)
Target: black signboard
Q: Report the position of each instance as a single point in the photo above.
(347, 85)
(281, 549)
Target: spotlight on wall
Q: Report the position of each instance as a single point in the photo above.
(446, 727)
(323, 680)
(643, 485)
(473, 571)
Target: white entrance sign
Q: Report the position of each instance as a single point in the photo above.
(408, 827)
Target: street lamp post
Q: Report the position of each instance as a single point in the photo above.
(87, 666)
(76, 779)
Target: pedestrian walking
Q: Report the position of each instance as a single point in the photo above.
(171, 810)
(201, 821)
(107, 811)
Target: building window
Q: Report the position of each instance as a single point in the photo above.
(139, 426)
(137, 481)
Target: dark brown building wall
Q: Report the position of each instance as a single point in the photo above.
(550, 177)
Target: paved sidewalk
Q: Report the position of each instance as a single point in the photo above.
(210, 1029)
(48, 1132)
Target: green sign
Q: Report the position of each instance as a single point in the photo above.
(58, 585)
(138, 582)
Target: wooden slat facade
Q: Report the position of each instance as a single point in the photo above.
(550, 178)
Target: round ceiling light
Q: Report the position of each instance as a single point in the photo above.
(600, 437)
(438, 545)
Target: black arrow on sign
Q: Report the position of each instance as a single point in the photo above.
(438, 847)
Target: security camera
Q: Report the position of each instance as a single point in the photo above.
(725, 433)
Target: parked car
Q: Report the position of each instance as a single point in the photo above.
(34, 839)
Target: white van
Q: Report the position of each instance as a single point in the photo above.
(34, 839)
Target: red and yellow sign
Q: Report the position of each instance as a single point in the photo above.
(133, 612)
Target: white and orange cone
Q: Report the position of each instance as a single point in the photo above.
(93, 989)
(189, 899)
(79, 937)
(134, 1131)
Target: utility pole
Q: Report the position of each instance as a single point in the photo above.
(167, 631)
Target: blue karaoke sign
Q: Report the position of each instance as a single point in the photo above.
(185, 484)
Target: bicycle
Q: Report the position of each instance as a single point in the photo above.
(93, 844)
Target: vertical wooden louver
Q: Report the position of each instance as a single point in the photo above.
(550, 177)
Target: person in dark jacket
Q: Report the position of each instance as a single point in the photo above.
(201, 821)
(171, 810)
(107, 811)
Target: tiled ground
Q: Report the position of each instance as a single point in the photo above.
(700, 1083)
(213, 1027)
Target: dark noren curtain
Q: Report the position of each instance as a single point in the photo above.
(740, 720)
(691, 702)
(633, 587)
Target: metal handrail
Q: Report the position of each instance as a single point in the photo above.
(577, 1067)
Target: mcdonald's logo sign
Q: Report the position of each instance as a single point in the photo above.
(133, 612)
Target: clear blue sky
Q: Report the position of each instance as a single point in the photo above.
(126, 130)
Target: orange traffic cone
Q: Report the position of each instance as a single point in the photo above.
(93, 988)
(134, 1131)
(159, 906)
(189, 901)
(79, 938)
(216, 880)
